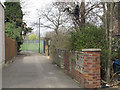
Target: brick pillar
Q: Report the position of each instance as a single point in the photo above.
(46, 50)
(91, 68)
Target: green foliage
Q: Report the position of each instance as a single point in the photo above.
(13, 12)
(119, 54)
(77, 57)
(90, 37)
(94, 37)
(72, 60)
(26, 29)
(116, 48)
(53, 62)
(32, 37)
(12, 31)
(119, 49)
(59, 41)
(14, 24)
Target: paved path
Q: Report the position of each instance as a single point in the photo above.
(35, 71)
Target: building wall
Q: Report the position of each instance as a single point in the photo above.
(2, 34)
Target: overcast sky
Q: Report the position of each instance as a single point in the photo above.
(31, 16)
(29, 8)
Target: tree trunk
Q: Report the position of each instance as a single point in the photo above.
(119, 18)
(56, 31)
(82, 14)
(119, 30)
(105, 21)
(110, 41)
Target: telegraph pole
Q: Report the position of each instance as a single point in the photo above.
(39, 35)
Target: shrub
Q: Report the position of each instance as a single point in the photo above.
(14, 32)
(91, 37)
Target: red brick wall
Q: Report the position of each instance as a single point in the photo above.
(89, 76)
(77, 76)
(92, 69)
(66, 60)
(71, 68)
(10, 49)
(46, 50)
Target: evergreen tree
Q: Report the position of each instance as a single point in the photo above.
(14, 22)
(13, 12)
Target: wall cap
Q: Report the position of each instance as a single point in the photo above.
(91, 50)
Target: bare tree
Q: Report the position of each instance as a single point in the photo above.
(88, 13)
(91, 12)
(54, 18)
(119, 17)
(119, 29)
(67, 14)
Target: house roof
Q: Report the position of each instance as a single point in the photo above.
(2, 4)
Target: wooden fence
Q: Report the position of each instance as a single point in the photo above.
(10, 49)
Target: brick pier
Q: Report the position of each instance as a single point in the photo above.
(83, 66)
(91, 68)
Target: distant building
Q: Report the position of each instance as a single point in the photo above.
(2, 33)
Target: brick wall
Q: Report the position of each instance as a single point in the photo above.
(82, 66)
(46, 50)
(66, 60)
(59, 57)
(92, 68)
(10, 49)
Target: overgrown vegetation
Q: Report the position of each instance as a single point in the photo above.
(12, 31)
(14, 25)
(32, 37)
(91, 37)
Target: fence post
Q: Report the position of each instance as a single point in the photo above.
(91, 68)
(44, 46)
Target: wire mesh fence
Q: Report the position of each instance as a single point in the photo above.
(33, 46)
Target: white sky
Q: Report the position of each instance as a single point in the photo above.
(29, 8)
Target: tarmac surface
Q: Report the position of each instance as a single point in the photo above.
(31, 70)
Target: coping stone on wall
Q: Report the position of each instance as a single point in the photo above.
(91, 50)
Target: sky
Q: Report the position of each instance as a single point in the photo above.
(29, 8)
(31, 16)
